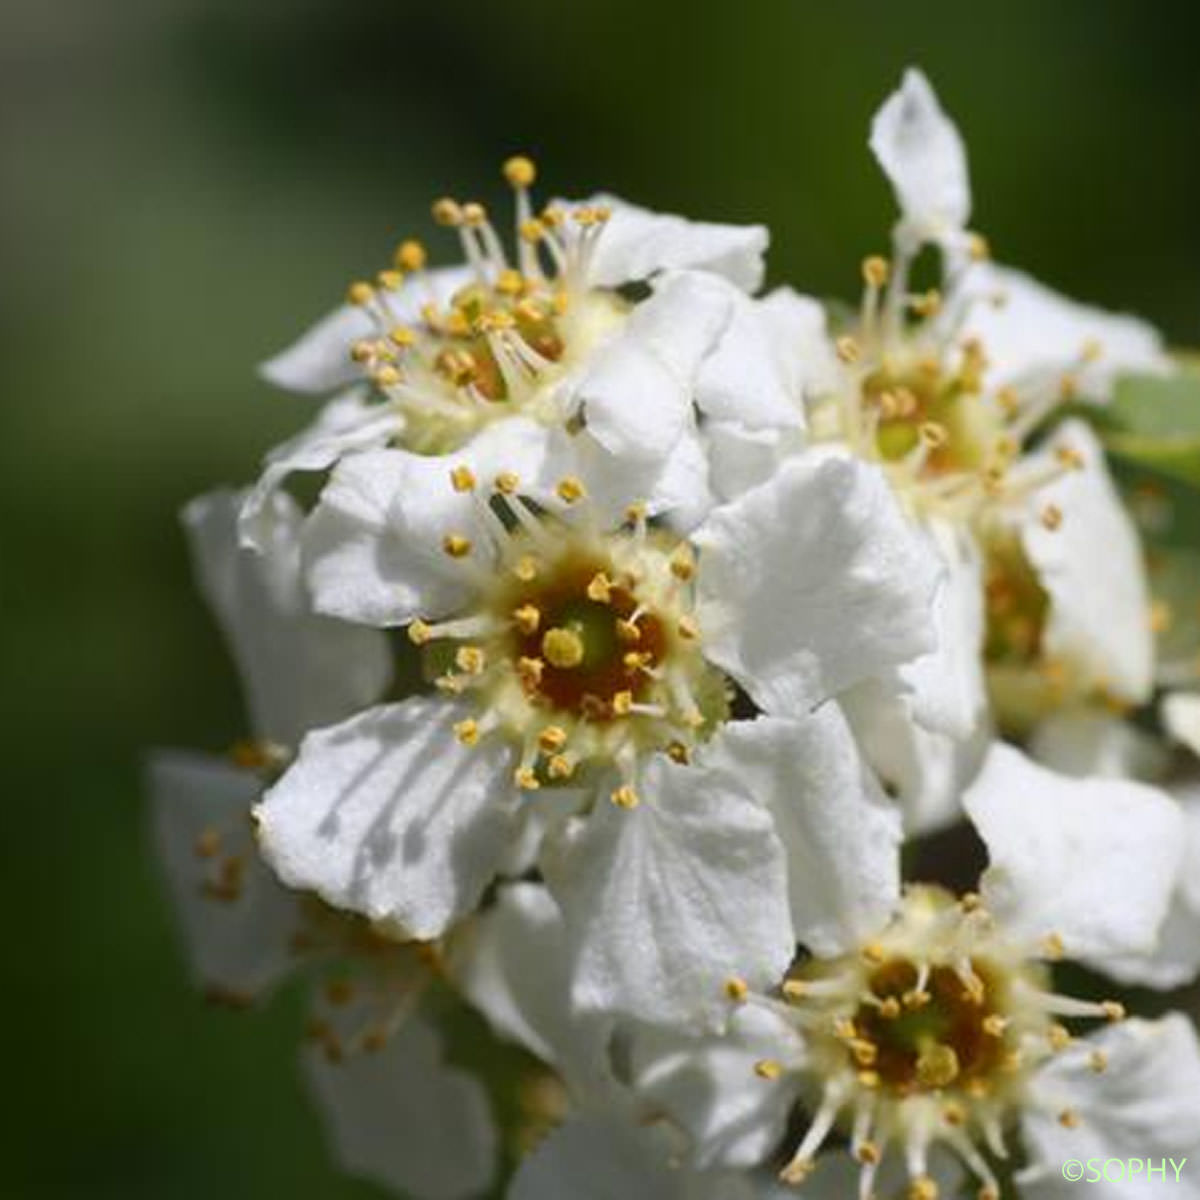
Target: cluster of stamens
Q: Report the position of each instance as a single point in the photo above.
(581, 645)
(505, 336)
(927, 1036)
(915, 399)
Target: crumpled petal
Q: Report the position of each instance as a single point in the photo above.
(390, 816)
(1145, 1106)
(403, 1118)
(1098, 625)
(733, 1116)
(238, 941)
(319, 361)
(813, 582)
(1091, 861)
(841, 833)
(1030, 333)
(347, 424)
(299, 669)
(1086, 741)
(513, 964)
(665, 902)
(637, 390)
(923, 156)
(637, 244)
(373, 546)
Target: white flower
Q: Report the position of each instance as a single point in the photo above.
(543, 334)
(1068, 603)
(1181, 719)
(573, 652)
(940, 1029)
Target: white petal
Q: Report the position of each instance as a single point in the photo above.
(637, 244)
(347, 424)
(636, 392)
(922, 154)
(239, 945)
(1030, 332)
(299, 669)
(732, 1115)
(752, 374)
(320, 360)
(1093, 861)
(841, 833)
(373, 546)
(1086, 741)
(513, 964)
(403, 1118)
(388, 815)
(1091, 566)
(813, 582)
(1181, 718)
(926, 772)
(1175, 961)
(666, 902)
(1146, 1105)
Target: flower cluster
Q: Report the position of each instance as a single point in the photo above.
(641, 626)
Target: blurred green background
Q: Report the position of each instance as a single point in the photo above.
(186, 183)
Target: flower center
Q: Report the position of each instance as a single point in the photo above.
(581, 644)
(497, 345)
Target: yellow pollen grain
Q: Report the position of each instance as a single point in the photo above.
(527, 618)
(570, 489)
(507, 482)
(470, 659)
(869, 1079)
(530, 670)
(456, 546)
(928, 304)
(683, 566)
(525, 778)
(737, 989)
(679, 753)
(467, 731)
(402, 336)
(1113, 1010)
(390, 281)
(625, 797)
(473, 213)
(360, 293)
(994, 1025)
(916, 999)
(362, 352)
(419, 632)
(532, 231)
(847, 349)
(410, 255)
(462, 479)
(868, 1153)
(560, 767)
(386, 377)
(628, 632)
(622, 703)
(510, 282)
(1068, 1118)
(923, 1188)
(1051, 517)
(874, 953)
(519, 171)
(447, 212)
(768, 1068)
(688, 628)
(563, 648)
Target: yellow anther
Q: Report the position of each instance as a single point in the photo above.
(507, 483)
(510, 282)
(875, 271)
(1113, 1010)
(471, 660)
(553, 216)
(1059, 1037)
(496, 320)
(737, 989)
(889, 1008)
(530, 670)
(1051, 517)
(970, 902)
(628, 632)
(625, 797)
(386, 377)
(1160, 617)
(1069, 457)
(520, 171)
(874, 953)
(1052, 947)
(532, 231)
(978, 247)
(473, 213)
(390, 281)
(599, 588)
(688, 628)
(768, 1068)
(527, 618)
(526, 779)
(994, 1025)
(418, 632)
(1068, 387)
(552, 739)
(402, 336)
(447, 212)
(915, 999)
(1098, 1061)
(928, 304)
(844, 1029)
(410, 255)
(570, 489)
(847, 349)
(937, 1066)
(693, 718)
(934, 434)
(954, 1114)
(865, 1053)
(635, 513)
(622, 703)
(529, 310)
(1068, 1118)
(683, 565)
(208, 844)
(563, 648)
(923, 1188)
(462, 479)
(560, 767)
(467, 731)
(362, 351)
(456, 546)
(634, 661)
(360, 293)
(1009, 400)
(868, 1153)
(868, 1079)
(797, 1171)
